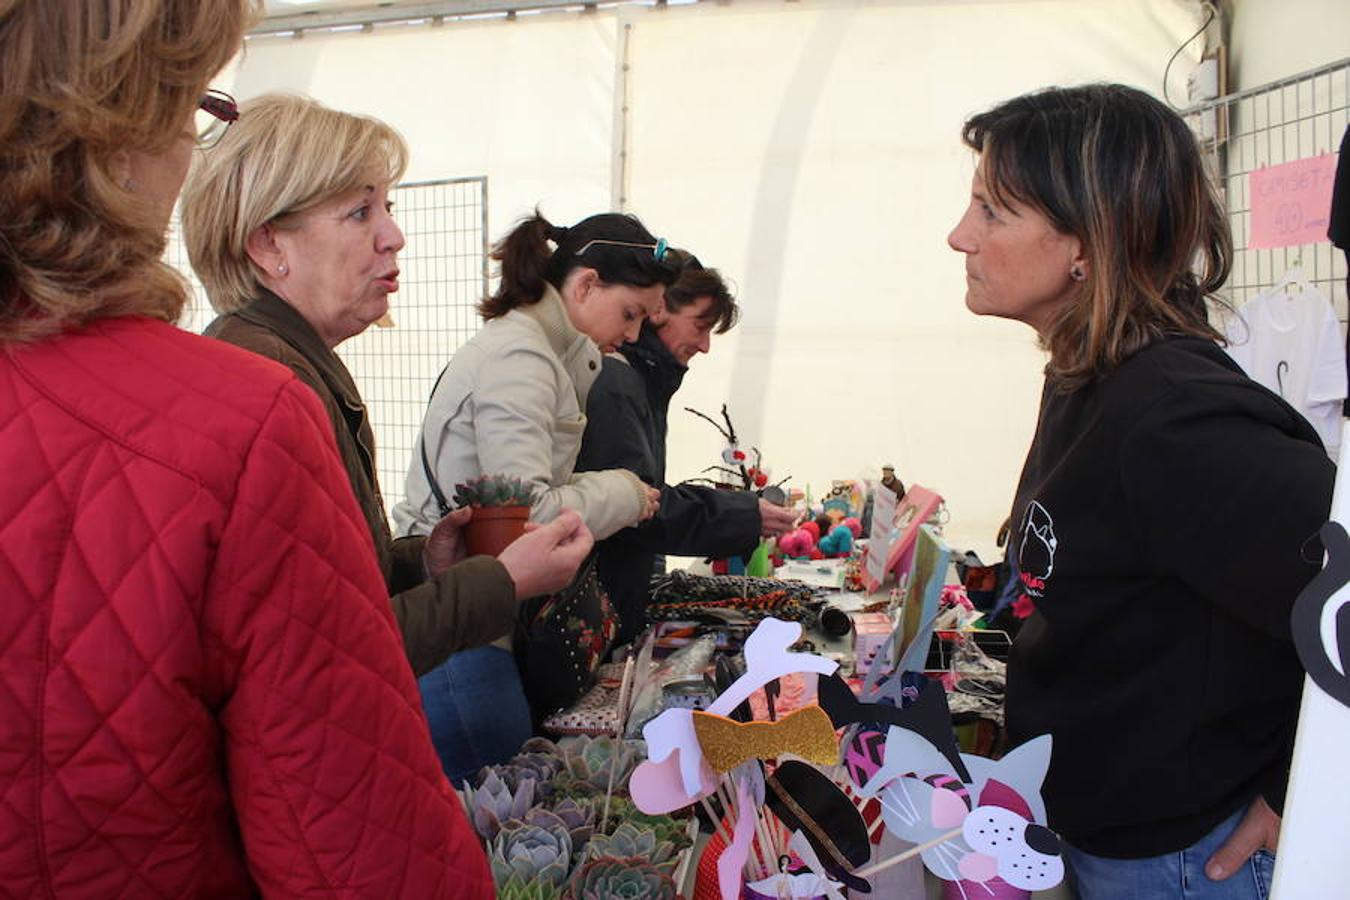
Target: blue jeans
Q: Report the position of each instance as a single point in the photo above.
(1172, 876)
(476, 709)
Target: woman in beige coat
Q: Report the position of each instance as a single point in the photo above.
(511, 402)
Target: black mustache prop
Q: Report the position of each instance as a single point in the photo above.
(929, 717)
(1313, 606)
(808, 801)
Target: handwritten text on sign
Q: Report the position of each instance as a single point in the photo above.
(1291, 203)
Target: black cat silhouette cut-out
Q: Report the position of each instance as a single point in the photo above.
(1322, 627)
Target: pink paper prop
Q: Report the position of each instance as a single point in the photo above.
(1020, 772)
(947, 809)
(766, 657)
(1025, 854)
(865, 755)
(1291, 203)
(978, 868)
(915, 508)
(732, 861)
(658, 788)
(673, 731)
(1002, 837)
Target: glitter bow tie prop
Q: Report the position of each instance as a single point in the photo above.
(726, 743)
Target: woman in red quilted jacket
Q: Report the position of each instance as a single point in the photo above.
(202, 688)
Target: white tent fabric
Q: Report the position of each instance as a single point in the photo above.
(810, 150)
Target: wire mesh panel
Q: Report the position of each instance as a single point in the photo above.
(443, 275)
(1296, 118)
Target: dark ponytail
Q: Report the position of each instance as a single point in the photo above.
(524, 255)
(617, 246)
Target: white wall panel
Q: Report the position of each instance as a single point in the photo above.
(811, 151)
(527, 103)
(808, 149)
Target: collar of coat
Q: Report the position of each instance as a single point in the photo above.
(274, 313)
(651, 358)
(577, 352)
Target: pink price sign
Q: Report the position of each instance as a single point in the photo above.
(1291, 203)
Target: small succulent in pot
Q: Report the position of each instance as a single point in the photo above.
(609, 878)
(501, 506)
(494, 490)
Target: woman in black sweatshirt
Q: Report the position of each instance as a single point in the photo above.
(1164, 506)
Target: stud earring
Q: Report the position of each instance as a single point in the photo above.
(1077, 273)
(281, 269)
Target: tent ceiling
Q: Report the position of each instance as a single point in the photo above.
(297, 15)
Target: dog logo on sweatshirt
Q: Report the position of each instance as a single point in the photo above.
(1036, 549)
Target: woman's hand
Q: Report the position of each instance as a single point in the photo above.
(545, 557)
(774, 519)
(1259, 828)
(653, 503)
(444, 547)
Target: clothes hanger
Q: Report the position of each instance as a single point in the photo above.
(1293, 277)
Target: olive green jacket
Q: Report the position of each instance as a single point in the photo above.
(472, 603)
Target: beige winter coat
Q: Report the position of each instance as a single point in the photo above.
(511, 402)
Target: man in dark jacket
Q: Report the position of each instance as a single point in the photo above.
(626, 428)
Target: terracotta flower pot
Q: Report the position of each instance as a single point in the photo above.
(493, 527)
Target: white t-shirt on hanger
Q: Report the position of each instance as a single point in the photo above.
(1292, 344)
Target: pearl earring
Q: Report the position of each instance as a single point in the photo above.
(281, 269)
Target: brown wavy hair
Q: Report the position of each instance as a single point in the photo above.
(694, 282)
(1120, 171)
(80, 82)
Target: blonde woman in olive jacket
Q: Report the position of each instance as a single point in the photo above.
(512, 402)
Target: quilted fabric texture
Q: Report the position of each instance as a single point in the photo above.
(202, 689)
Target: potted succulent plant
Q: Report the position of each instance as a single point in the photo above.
(501, 506)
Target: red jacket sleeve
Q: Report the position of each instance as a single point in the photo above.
(334, 781)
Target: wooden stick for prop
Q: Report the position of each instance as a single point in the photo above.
(620, 719)
(716, 820)
(768, 861)
(911, 852)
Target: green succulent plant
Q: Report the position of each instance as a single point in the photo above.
(494, 490)
(580, 817)
(608, 878)
(495, 802)
(591, 758)
(629, 840)
(566, 785)
(538, 744)
(666, 828)
(517, 888)
(536, 849)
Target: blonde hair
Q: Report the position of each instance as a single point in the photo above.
(285, 155)
(82, 83)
